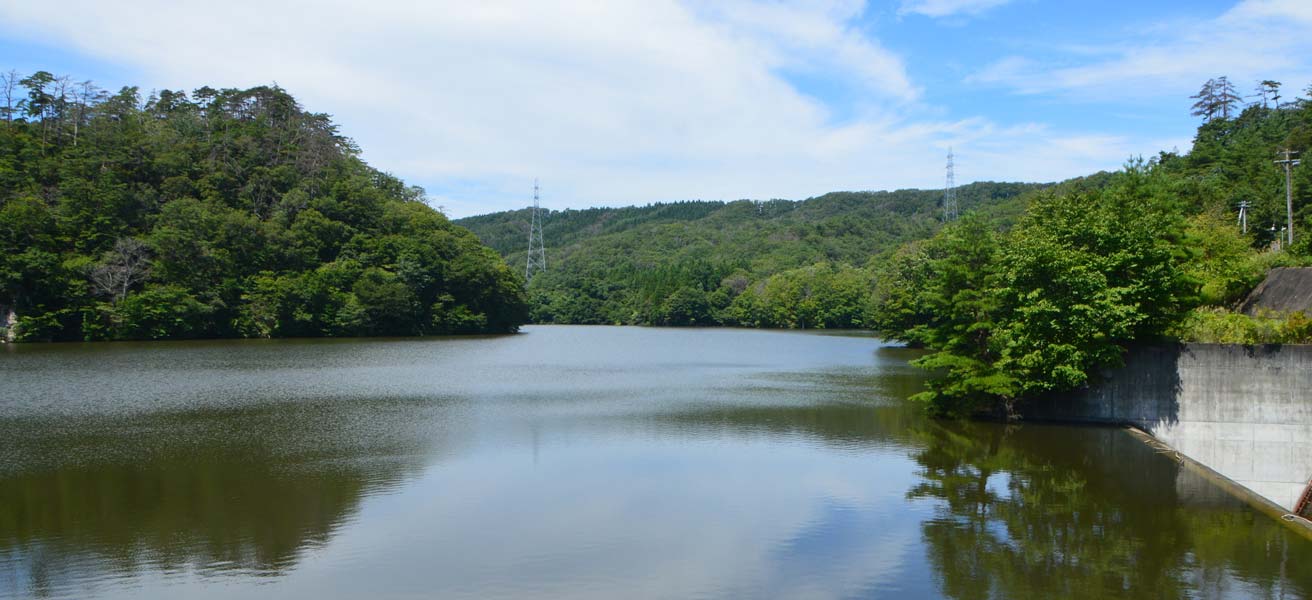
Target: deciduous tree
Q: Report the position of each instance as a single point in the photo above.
(122, 268)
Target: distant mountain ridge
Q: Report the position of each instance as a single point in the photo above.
(637, 264)
(506, 231)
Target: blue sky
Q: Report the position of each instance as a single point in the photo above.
(636, 101)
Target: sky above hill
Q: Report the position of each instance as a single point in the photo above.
(636, 101)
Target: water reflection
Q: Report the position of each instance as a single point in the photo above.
(1048, 512)
(246, 490)
(580, 463)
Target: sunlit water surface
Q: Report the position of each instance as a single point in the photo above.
(580, 462)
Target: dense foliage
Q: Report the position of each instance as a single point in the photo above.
(777, 263)
(1152, 253)
(1010, 315)
(222, 213)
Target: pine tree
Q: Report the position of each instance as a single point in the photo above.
(1269, 90)
(1217, 98)
(1206, 105)
(1227, 96)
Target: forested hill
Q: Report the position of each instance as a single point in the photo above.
(775, 263)
(1155, 254)
(220, 213)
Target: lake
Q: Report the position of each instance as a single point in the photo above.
(581, 462)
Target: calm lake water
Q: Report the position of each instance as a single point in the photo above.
(580, 462)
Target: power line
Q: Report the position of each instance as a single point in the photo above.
(537, 250)
(1289, 162)
(950, 192)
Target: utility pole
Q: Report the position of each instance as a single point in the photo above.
(537, 251)
(1289, 162)
(950, 192)
(1243, 215)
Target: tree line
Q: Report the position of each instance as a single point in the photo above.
(220, 213)
(776, 263)
(1009, 314)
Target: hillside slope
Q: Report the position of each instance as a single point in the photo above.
(223, 213)
(736, 263)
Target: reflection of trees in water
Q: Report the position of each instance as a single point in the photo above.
(246, 489)
(853, 425)
(844, 408)
(1051, 512)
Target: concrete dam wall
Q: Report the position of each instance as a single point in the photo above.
(1242, 411)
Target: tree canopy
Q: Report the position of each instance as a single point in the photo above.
(1011, 314)
(220, 213)
(777, 263)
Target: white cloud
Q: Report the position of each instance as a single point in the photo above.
(948, 8)
(815, 36)
(615, 102)
(1257, 39)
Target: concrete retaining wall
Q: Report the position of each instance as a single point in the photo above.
(1243, 411)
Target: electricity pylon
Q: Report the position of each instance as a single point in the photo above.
(537, 250)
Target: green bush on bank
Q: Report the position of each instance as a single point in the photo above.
(1216, 325)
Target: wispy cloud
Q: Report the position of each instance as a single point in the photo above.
(948, 8)
(1257, 39)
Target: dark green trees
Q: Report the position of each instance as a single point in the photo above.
(1009, 316)
(217, 214)
(1093, 267)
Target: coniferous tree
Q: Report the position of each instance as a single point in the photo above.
(1206, 105)
(1218, 98)
(8, 88)
(1227, 96)
(1269, 90)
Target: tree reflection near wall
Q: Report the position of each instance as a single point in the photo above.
(1060, 512)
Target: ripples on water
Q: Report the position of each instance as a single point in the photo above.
(580, 462)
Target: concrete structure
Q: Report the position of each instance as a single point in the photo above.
(1284, 290)
(1242, 411)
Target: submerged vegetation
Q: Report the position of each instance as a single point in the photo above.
(220, 213)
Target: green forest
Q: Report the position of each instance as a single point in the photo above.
(1013, 312)
(220, 213)
(778, 263)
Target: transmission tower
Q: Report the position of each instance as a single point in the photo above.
(1289, 162)
(537, 251)
(1244, 205)
(950, 192)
